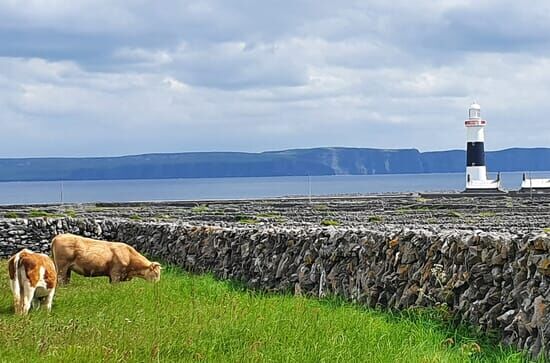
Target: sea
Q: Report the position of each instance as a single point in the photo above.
(90, 191)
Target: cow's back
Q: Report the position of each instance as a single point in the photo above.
(85, 256)
(38, 269)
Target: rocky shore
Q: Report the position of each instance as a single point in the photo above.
(486, 259)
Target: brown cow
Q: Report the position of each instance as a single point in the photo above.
(90, 257)
(32, 279)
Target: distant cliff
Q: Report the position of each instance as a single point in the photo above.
(319, 161)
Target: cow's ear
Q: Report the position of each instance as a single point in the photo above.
(155, 265)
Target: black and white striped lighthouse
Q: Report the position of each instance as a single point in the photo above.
(476, 170)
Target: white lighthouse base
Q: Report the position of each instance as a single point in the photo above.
(535, 185)
(477, 182)
(483, 185)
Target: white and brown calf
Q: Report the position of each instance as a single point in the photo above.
(32, 278)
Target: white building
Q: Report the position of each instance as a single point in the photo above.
(535, 185)
(476, 171)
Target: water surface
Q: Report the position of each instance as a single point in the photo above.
(229, 188)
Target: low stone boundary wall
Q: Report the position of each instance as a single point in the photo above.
(497, 281)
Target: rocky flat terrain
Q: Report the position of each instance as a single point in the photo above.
(502, 213)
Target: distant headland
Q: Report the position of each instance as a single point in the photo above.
(296, 162)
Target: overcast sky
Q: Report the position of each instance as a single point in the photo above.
(114, 78)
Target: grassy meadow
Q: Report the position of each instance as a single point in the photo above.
(196, 318)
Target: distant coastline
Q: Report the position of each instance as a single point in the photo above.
(295, 162)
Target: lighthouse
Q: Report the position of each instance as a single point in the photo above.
(476, 170)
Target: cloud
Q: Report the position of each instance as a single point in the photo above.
(97, 78)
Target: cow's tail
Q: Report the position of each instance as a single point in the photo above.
(19, 270)
(18, 281)
(52, 248)
(13, 269)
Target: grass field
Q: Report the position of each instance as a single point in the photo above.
(196, 318)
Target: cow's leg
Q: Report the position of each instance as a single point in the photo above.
(28, 295)
(68, 275)
(49, 299)
(116, 276)
(15, 289)
(64, 275)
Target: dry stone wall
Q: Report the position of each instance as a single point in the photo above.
(497, 281)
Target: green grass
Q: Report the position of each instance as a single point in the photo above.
(163, 217)
(487, 214)
(546, 230)
(199, 209)
(244, 219)
(71, 213)
(38, 213)
(455, 214)
(248, 220)
(330, 222)
(189, 318)
(413, 208)
(135, 217)
(11, 215)
(320, 207)
(375, 219)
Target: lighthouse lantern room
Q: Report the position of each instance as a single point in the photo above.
(476, 170)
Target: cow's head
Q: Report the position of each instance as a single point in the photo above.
(153, 272)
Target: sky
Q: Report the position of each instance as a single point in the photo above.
(102, 77)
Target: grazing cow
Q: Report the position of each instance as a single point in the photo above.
(90, 257)
(32, 278)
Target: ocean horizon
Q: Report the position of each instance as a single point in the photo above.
(133, 190)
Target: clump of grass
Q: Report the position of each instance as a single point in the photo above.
(455, 214)
(330, 222)
(244, 219)
(509, 202)
(546, 230)
(375, 219)
(422, 200)
(200, 209)
(38, 213)
(269, 215)
(11, 215)
(70, 213)
(188, 318)
(320, 207)
(135, 217)
(420, 208)
(487, 214)
(163, 217)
